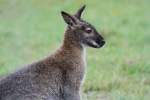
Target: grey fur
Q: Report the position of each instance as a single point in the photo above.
(57, 77)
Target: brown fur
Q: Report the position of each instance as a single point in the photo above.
(60, 75)
(48, 79)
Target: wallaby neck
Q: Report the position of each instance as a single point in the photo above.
(70, 40)
(72, 45)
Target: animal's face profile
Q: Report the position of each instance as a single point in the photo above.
(83, 31)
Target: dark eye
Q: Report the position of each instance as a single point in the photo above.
(88, 30)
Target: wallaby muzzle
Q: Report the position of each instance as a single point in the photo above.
(100, 41)
(97, 42)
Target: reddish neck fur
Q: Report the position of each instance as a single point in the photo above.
(71, 42)
(71, 48)
(71, 51)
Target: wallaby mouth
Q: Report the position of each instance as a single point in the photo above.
(96, 44)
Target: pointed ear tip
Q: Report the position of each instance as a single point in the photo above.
(62, 12)
(83, 7)
(65, 13)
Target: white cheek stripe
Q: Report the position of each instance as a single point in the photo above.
(94, 43)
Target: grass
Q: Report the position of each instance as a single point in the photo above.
(31, 29)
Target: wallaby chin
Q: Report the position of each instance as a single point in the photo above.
(59, 76)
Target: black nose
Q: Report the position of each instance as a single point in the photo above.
(100, 41)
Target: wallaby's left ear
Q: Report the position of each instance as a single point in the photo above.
(69, 19)
(79, 12)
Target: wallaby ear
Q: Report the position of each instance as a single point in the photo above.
(68, 18)
(79, 12)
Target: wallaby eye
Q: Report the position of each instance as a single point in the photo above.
(88, 30)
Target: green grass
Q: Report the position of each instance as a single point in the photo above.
(31, 29)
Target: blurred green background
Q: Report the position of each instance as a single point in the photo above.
(31, 29)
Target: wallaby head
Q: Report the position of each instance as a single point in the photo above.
(82, 31)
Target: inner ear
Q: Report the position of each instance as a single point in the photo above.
(69, 19)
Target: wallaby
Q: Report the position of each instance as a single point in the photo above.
(58, 76)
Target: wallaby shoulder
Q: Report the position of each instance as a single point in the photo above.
(34, 80)
(43, 77)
